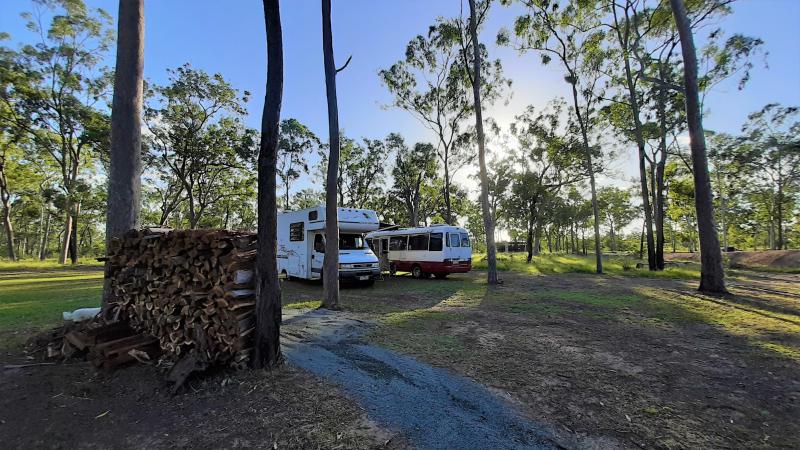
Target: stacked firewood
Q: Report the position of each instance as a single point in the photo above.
(192, 290)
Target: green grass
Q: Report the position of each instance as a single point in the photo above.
(31, 300)
(554, 264)
(30, 265)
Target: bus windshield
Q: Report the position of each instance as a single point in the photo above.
(351, 242)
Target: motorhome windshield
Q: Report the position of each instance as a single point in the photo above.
(351, 242)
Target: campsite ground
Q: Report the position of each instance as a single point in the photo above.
(623, 360)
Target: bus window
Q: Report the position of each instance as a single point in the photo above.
(418, 242)
(464, 240)
(398, 242)
(436, 242)
(455, 240)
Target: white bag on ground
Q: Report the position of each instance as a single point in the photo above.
(80, 314)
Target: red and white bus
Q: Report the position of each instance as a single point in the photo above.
(436, 250)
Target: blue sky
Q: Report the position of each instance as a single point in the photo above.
(228, 37)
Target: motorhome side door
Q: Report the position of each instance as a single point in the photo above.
(317, 255)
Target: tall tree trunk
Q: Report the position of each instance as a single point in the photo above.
(658, 194)
(45, 237)
(5, 198)
(64, 250)
(73, 241)
(9, 229)
(125, 168)
(712, 275)
(330, 269)
(613, 237)
(529, 240)
(488, 222)
(598, 250)
(446, 191)
(640, 144)
(267, 348)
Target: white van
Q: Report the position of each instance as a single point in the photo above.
(301, 244)
(436, 250)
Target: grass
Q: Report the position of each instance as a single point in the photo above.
(30, 300)
(35, 265)
(554, 264)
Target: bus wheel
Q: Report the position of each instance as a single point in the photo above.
(440, 276)
(392, 269)
(416, 272)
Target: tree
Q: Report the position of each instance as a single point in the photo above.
(414, 168)
(772, 151)
(712, 275)
(432, 83)
(571, 35)
(296, 142)
(549, 158)
(67, 89)
(197, 135)
(360, 170)
(617, 209)
(330, 269)
(475, 75)
(124, 177)
(267, 348)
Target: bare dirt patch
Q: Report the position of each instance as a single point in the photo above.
(613, 361)
(768, 259)
(74, 406)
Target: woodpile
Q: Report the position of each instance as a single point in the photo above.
(106, 345)
(191, 290)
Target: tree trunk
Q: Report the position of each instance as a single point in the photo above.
(598, 250)
(529, 240)
(712, 275)
(640, 144)
(125, 168)
(267, 348)
(658, 206)
(488, 222)
(9, 228)
(613, 236)
(330, 270)
(73, 241)
(45, 237)
(64, 251)
(537, 239)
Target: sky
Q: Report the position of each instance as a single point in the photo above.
(228, 37)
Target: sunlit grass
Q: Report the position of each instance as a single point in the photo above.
(36, 299)
(311, 304)
(48, 264)
(554, 264)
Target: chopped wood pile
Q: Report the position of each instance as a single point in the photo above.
(191, 290)
(106, 345)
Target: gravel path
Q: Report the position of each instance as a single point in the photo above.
(430, 408)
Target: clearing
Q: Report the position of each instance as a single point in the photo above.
(622, 360)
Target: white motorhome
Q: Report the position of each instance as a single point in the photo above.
(301, 244)
(436, 250)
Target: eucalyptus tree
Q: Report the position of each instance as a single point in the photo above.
(573, 36)
(296, 142)
(772, 151)
(475, 78)
(360, 172)
(330, 270)
(548, 158)
(67, 89)
(413, 170)
(618, 210)
(433, 84)
(267, 347)
(712, 275)
(197, 134)
(125, 166)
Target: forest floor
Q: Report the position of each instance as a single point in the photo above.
(621, 360)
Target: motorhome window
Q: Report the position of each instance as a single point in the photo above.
(319, 243)
(397, 242)
(351, 242)
(455, 240)
(464, 240)
(296, 231)
(385, 246)
(436, 242)
(418, 242)
(312, 215)
(371, 244)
